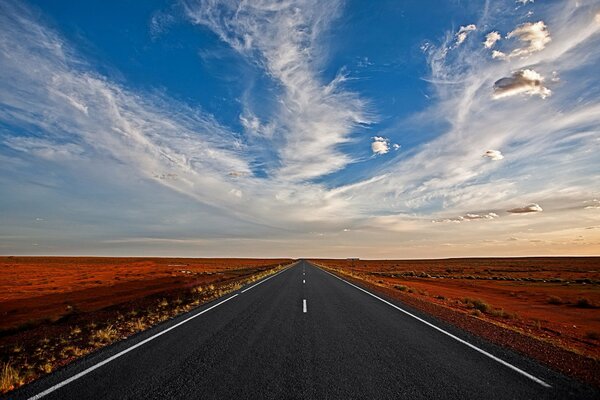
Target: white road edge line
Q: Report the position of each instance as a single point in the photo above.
(304, 305)
(264, 280)
(493, 357)
(135, 346)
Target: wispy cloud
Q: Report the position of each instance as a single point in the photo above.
(285, 39)
(46, 87)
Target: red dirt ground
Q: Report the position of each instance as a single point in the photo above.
(35, 288)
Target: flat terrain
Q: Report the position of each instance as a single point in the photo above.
(305, 334)
(34, 288)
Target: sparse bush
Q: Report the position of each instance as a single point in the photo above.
(555, 300)
(440, 297)
(476, 313)
(401, 288)
(476, 304)
(593, 335)
(501, 313)
(584, 303)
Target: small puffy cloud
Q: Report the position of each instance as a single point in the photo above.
(396, 146)
(462, 33)
(491, 39)
(530, 208)
(494, 155)
(237, 174)
(496, 54)
(525, 81)
(380, 145)
(525, 1)
(534, 36)
(236, 192)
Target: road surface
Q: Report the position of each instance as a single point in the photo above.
(304, 334)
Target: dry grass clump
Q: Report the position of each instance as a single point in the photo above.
(75, 331)
(9, 377)
(71, 351)
(476, 304)
(104, 336)
(502, 314)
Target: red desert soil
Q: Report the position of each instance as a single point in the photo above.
(34, 288)
(539, 306)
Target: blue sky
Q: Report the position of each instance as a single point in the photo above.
(300, 128)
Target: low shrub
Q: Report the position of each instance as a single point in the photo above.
(584, 303)
(555, 300)
(592, 335)
(476, 304)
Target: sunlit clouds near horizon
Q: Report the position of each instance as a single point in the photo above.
(300, 128)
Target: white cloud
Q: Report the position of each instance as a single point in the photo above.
(380, 145)
(494, 155)
(534, 36)
(496, 54)
(525, 81)
(462, 33)
(530, 208)
(284, 39)
(491, 39)
(592, 204)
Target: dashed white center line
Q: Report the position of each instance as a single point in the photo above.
(304, 305)
(303, 280)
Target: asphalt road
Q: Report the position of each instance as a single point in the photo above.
(304, 334)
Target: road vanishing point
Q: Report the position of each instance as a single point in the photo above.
(304, 333)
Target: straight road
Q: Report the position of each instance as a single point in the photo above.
(305, 334)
